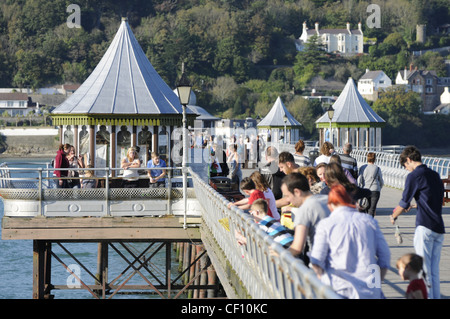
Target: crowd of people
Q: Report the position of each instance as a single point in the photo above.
(72, 171)
(316, 210)
(79, 173)
(322, 210)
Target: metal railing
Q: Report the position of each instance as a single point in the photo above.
(39, 184)
(265, 268)
(394, 175)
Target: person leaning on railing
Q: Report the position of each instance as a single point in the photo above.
(130, 176)
(156, 176)
(348, 247)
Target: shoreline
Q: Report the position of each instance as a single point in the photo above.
(430, 152)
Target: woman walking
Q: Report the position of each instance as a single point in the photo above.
(370, 177)
(235, 169)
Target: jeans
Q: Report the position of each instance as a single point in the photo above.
(374, 197)
(428, 244)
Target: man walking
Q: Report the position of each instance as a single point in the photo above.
(426, 187)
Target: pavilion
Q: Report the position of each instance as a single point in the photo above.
(353, 121)
(280, 124)
(123, 103)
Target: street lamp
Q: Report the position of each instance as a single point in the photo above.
(330, 113)
(285, 119)
(184, 93)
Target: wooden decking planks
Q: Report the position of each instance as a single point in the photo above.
(100, 228)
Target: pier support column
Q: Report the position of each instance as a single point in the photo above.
(102, 267)
(42, 255)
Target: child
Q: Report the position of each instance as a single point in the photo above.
(89, 180)
(279, 233)
(409, 268)
(249, 188)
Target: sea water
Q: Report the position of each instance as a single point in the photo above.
(16, 262)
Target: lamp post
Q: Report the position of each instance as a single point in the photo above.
(184, 93)
(285, 119)
(330, 113)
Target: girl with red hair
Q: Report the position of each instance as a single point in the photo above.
(349, 252)
(339, 196)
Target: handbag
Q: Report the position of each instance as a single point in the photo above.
(364, 203)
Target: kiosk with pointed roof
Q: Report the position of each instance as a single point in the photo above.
(123, 103)
(277, 120)
(354, 121)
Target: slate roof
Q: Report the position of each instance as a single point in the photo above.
(350, 107)
(124, 82)
(275, 116)
(333, 31)
(371, 75)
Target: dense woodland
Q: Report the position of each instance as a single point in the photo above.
(239, 54)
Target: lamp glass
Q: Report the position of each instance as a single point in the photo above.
(330, 112)
(184, 93)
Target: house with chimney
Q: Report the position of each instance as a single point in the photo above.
(423, 82)
(343, 41)
(372, 83)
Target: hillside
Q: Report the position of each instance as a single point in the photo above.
(239, 54)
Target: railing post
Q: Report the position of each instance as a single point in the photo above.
(169, 192)
(108, 211)
(41, 211)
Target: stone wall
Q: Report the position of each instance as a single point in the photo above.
(30, 142)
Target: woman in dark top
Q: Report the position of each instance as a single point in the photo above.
(61, 161)
(334, 175)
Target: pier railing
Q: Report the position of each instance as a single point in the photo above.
(265, 268)
(394, 175)
(29, 192)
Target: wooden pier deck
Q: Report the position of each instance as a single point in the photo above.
(100, 228)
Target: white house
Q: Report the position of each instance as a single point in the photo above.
(444, 107)
(372, 82)
(16, 104)
(344, 41)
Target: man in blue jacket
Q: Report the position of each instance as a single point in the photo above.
(426, 187)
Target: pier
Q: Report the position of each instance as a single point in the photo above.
(212, 265)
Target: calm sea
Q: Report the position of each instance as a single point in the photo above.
(16, 262)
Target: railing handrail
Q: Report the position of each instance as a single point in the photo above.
(42, 186)
(266, 269)
(393, 174)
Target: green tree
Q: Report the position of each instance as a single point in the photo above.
(308, 62)
(306, 112)
(402, 112)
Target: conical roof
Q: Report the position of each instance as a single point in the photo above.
(275, 117)
(123, 83)
(351, 108)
